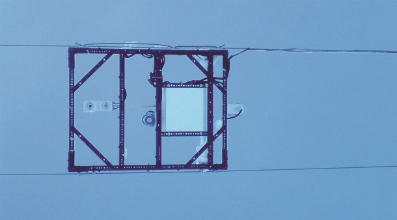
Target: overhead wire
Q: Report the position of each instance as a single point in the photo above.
(204, 171)
(304, 50)
(35, 45)
(243, 49)
(203, 47)
(311, 168)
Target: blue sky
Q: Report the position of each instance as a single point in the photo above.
(301, 110)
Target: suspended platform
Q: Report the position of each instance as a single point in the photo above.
(199, 92)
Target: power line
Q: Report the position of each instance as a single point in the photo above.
(163, 46)
(312, 168)
(303, 50)
(204, 171)
(35, 45)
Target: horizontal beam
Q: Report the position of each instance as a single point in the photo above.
(184, 133)
(75, 50)
(148, 167)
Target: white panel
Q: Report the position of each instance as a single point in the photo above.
(184, 109)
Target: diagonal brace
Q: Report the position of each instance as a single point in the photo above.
(198, 64)
(205, 147)
(204, 71)
(92, 147)
(92, 71)
(220, 87)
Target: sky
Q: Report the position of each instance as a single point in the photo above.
(301, 110)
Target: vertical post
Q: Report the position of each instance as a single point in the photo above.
(121, 110)
(71, 154)
(210, 98)
(158, 76)
(226, 68)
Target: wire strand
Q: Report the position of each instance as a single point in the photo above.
(202, 171)
(241, 110)
(304, 50)
(244, 49)
(154, 45)
(35, 45)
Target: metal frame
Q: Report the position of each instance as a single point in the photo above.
(156, 79)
